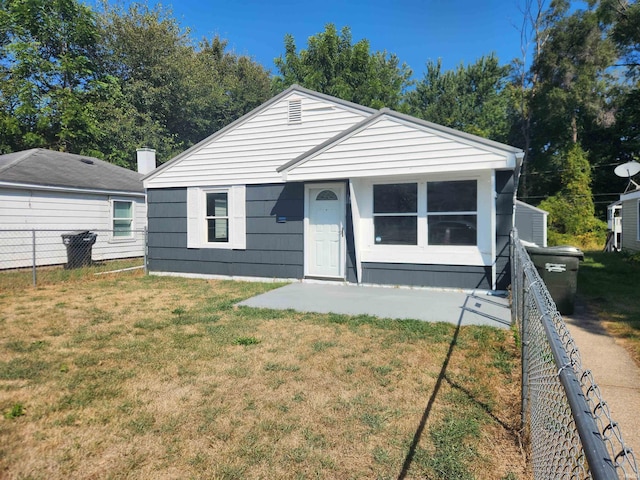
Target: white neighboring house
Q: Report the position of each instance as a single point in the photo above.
(55, 192)
(630, 220)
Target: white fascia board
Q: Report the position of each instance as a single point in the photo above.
(51, 188)
(408, 172)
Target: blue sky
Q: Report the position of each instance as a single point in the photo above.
(415, 30)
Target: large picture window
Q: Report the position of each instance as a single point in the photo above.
(122, 219)
(217, 217)
(395, 214)
(452, 212)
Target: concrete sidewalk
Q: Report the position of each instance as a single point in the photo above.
(452, 306)
(615, 373)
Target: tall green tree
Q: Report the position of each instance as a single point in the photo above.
(334, 65)
(573, 98)
(623, 19)
(473, 99)
(47, 73)
(571, 210)
(167, 93)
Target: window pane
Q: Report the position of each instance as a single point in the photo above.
(122, 228)
(327, 195)
(396, 230)
(452, 229)
(122, 209)
(218, 230)
(216, 205)
(395, 198)
(459, 196)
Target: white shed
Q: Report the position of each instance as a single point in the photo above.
(531, 223)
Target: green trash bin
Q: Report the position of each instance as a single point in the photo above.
(558, 267)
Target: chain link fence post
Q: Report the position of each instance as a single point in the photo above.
(146, 251)
(33, 257)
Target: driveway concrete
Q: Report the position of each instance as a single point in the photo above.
(433, 305)
(615, 373)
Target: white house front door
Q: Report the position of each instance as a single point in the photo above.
(324, 232)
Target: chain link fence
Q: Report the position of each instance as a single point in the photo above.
(31, 257)
(571, 432)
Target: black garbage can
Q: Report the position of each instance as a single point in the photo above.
(79, 245)
(558, 267)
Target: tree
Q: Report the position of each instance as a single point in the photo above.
(472, 98)
(571, 210)
(624, 19)
(573, 92)
(47, 73)
(332, 64)
(166, 93)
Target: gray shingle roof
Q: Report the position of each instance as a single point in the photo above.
(58, 169)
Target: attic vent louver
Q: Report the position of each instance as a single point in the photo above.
(295, 111)
(87, 161)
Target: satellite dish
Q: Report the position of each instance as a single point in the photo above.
(628, 170)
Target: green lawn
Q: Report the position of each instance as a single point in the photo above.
(609, 282)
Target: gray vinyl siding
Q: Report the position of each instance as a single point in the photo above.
(505, 190)
(415, 275)
(630, 219)
(274, 250)
(530, 224)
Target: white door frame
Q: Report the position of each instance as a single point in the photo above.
(340, 189)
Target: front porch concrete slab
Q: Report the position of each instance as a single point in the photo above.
(432, 305)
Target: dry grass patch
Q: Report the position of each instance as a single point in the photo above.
(154, 377)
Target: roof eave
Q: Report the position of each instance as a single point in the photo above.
(58, 188)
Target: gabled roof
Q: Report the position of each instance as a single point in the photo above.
(48, 168)
(293, 88)
(463, 136)
(393, 143)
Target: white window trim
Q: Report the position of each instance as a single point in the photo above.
(480, 255)
(197, 221)
(450, 212)
(112, 211)
(406, 214)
